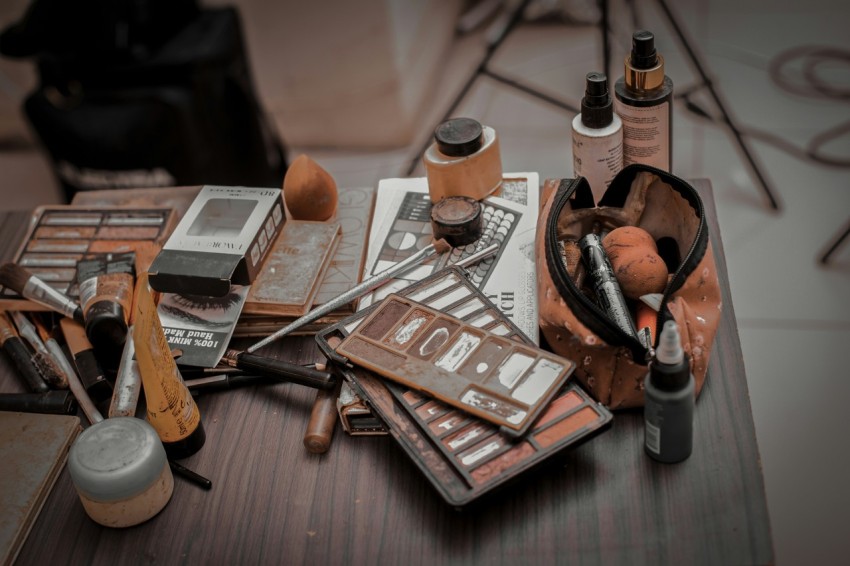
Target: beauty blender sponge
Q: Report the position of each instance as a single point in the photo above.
(309, 191)
(634, 256)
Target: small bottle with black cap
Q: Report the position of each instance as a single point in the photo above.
(464, 160)
(643, 98)
(597, 136)
(669, 395)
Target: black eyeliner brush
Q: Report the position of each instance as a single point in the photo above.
(31, 287)
(279, 370)
(224, 381)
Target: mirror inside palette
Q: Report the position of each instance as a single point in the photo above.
(464, 456)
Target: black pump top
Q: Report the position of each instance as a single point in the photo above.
(597, 108)
(643, 54)
(459, 137)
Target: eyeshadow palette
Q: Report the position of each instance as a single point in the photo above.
(463, 456)
(475, 370)
(60, 236)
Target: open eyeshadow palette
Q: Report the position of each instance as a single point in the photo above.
(60, 236)
(462, 455)
(475, 370)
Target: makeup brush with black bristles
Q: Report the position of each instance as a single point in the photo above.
(31, 287)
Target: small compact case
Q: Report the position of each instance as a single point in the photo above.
(462, 455)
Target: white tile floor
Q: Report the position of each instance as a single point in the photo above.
(793, 314)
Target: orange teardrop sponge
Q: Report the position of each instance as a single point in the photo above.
(309, 191)
(634, 257)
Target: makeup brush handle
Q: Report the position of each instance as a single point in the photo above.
(320, 429)
(51, 402)
(22, 359)
(284, 371)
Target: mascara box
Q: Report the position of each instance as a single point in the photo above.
(221, 241)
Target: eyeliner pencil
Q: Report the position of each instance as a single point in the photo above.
(21, 356)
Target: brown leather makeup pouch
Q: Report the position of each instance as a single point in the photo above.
(611, 363)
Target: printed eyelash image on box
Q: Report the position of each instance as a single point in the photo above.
(222, 239)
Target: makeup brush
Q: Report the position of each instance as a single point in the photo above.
(20, 355)
(31, 287)
(43, 358)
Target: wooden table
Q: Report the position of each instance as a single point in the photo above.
(364, 503)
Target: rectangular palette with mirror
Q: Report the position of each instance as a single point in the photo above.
(462, 455)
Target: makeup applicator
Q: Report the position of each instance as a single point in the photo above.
(31, 287)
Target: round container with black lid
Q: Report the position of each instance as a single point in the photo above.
(464, 160)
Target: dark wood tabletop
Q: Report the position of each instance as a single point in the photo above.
(363, 502)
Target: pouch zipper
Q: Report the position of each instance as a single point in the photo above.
(601, 321)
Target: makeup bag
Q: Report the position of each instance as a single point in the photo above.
(612, 364)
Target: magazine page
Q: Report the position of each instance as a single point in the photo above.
(401, 227)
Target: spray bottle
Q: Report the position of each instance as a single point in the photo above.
(669, 400)
(597, 137)
(643, 98)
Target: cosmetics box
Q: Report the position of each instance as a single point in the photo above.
(221, 241)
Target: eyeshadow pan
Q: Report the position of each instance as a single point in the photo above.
(421, 295)
(126, 232)
(558, 407)
(384, 321)
(449, 299)
(460, 349)
(433, 339)
(112, 246)
(447, 423)
(486, 357)
(71, 219)
(386, 358)
(500, 330)
(466, 308)
(483, 320)
(58, 246)
(135, 219)
(412, 397)
(480, 400)
(503, 462)
(564, 428)
(467, 436)
(538, 381)
(430, 410)
(49, 260)
(409, 329)
(64, 232)
(482, 451)
(513, 367)
(48, 275)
